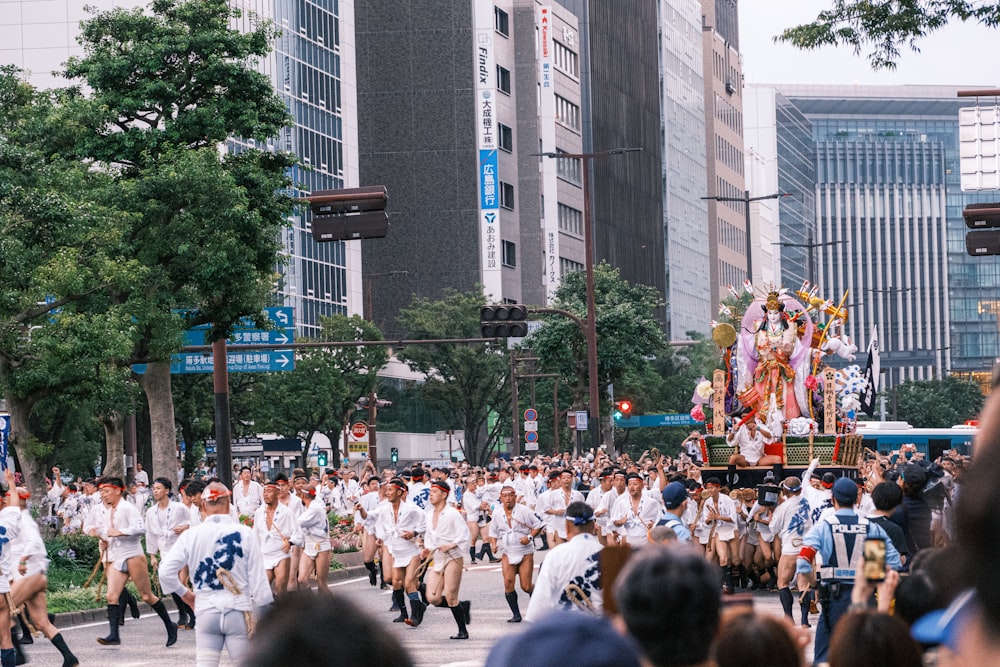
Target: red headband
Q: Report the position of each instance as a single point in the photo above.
(399, 484)
(439, 484)
(110, 486)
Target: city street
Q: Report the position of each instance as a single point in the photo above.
(143, 640)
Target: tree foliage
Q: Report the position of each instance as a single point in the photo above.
(320, 395)
(466, 383)
(938, 403)
(628, 331)
(882, 27)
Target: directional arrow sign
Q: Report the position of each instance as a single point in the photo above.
(249, 361)
(263, 337)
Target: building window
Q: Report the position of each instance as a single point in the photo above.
(570, 220)
(568, 168)
(501, 21)
(506, 195)
(506, 138)
(503, 79)
(508, 253)
(568, 266)
(565, 59)
(567, 113)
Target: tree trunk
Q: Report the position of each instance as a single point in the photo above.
(20, 441)
(163, 431)
(114, 439)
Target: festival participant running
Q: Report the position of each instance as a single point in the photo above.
(227, 575)
(399, 524)
(475, 515)
(444, 541)
(165, 521)
(634, 513)
(10, 526)
(315, 528)
(30, 579)
(120, 528)
(718, 517)
(570, 577)
(248, 494)
(363, 506)
(513, 533)
(274, 524)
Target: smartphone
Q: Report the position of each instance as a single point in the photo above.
(874, 564)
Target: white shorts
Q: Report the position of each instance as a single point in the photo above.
(442, 558)
(516, 552)
(271, 560)
(314, 547)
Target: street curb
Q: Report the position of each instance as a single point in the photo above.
(69, 619)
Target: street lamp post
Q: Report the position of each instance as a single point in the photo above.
(811, 247)
(746, 199)
(588, 242)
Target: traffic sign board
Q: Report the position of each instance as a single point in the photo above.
(531, 415)
(246, 333)
(581, 420)
(359, 430)
(530, 426)
(255, 361)
(531, 436)
(531, 447)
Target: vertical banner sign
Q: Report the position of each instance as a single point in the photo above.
(550, 167)
(486, 138)
(871, 377)
(4, 440)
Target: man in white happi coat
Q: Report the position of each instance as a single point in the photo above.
(717, 529)
(514, 528)
(610, 537)
(363, 507)
(165, 521)
(10, 527)
(444, 541)
(570, 577)
(227, 578)
(399, 524)
(120, 528)
(634, 513)
(315, 530)
(248, 494)
(595, 495)
(274, 525)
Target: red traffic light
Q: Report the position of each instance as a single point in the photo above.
(625, 406)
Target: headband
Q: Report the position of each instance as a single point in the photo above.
(442, 485)
(110, 486)
(211, 495)
(399, 484)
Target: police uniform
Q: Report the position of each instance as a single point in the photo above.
(838, 539)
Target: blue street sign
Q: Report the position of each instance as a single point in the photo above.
(248, 361)
(264, 337)
(679, 419)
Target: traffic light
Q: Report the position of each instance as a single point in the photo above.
(504, 321)
(394, 455)
(623, 409)
(349, 213)
(982, 217)
(321, 459)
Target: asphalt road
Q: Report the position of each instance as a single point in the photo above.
(143, 640)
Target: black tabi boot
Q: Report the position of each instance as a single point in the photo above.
(182, 617)
(8, 657)
(372, 572)
(515, 609)
(785, 595)
(133, 606)
(114, 613)
(19, 657)
(488, 550)
(417, 610)
(545, 541)
(731, 477)
(399, 600)
(458, 613)
(727, 580)
(26, 637)
(466, 606)
(69, 660)
(804, 604)
(161, 611)
(472, 554)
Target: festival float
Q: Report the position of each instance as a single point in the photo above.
(776, 349)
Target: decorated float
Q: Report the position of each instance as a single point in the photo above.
(776, 349)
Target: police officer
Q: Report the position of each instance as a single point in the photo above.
(838, 538)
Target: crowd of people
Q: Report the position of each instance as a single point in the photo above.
(223, 554)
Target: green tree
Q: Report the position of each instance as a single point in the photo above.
(465, 383)
(628, 331)
(882, 27)
(166, 87)
(320, 395)
(60, 232)
(939, 403)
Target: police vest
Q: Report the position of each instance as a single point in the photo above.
(848, 535)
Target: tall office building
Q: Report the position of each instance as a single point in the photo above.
(727, 227)
(312, 69)
(889, 225)
(456, 101)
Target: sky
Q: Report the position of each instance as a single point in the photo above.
(944, 57)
